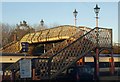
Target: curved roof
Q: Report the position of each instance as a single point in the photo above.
(52, 34)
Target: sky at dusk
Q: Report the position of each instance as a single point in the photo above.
(61, 13)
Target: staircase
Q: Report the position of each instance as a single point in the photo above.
(14, 67)
(12, 47)
(48, 54)
(67, 53)
(52, 34)
(56, 62)
(62, 45)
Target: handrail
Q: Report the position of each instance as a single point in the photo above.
(8, 44)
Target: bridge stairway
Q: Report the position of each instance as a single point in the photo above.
(12, 47)
(62, 59)
(62, 44)
(47, 35)
(67, 53)
(16, 66)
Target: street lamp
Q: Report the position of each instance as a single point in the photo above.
(75, 15)
(96, 9)
(15, 35)
(42, 22)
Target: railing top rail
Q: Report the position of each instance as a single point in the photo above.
(104, 28)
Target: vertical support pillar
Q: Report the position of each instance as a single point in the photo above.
(14, 38)
(94, 57)
(12, 76)
(83, 60)
(44, 48)
(112, 66)
(3, 76)
(33, 74)
(97, 63)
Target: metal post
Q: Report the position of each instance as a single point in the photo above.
(14, 37)
(94, 57)
(112, 63)
(44, 48)
(97, 63)
(33, 74)
(97, 49)
(75, 21)
(96, 9)
(96, 20)
(12, 76)
(3, 76)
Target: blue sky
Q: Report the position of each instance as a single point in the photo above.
(61, 13)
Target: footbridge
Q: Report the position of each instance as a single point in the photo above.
(47, 36)
(73, 44)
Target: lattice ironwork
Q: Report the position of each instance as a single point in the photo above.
(105, 37)
(70, 51)
(73, 51)
(41, 67)
(63, 44)
(14, 67)
(58, 33)
(11, 48)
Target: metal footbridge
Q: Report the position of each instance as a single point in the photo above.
(48, 35)
(76, 44)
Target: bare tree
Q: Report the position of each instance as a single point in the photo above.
(6, 30)
(9, 31)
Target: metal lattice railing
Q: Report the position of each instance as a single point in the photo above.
(58, 33)
(72, 52)
(69, 52)
(11, 48)
(105, 37)
(14, 67)
(63, 44)
(61, 58)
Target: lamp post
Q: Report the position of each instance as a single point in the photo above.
(75, 15)
(97, 9)
(15, 36)
(42, 22)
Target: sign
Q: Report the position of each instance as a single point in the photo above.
(25, 46)
(25, 68)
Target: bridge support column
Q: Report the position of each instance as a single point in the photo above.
(112, 66)
(12, 76)
(97, 64)
(33, 74)
(3, 76)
